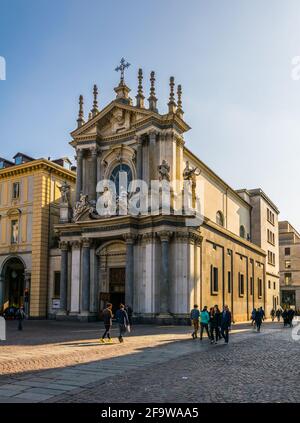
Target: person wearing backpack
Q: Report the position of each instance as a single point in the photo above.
(204, 320)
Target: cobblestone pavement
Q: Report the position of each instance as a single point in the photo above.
(63, 362)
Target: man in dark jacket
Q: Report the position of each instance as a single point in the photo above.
(225, 323)
(215, 323)
(258, 318)
(20, 316)
(107, 320)
(123, 321)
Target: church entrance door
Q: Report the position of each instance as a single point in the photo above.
(117, 287)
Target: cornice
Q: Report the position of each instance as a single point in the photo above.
(37, 165)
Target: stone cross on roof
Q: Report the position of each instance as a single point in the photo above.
(123, 65)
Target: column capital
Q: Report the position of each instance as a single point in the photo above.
(165, 235)
(182, 237)
(129, 238)
(86, 242)
(152, 134)
(148, 237)
(197, 239)
(79, 153)
(94, 151)
(76, 243)
(64, 245)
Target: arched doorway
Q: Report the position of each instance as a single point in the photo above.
(13, 273)
(112, 256)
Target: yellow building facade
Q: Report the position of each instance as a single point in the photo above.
(29, 201)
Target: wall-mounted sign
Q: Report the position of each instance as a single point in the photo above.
(55, 303)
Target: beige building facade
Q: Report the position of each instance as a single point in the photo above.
(289, 245)
(265, 234)
(162, 263)
(29, 209)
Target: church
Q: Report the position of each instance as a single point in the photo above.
(159, 262)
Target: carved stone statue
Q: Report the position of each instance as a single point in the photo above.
(81, 207)
(164, 171)
(190, 173)
(65, 193)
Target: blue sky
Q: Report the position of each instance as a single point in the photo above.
(233, 59)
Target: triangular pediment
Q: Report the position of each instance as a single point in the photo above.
(114, 119)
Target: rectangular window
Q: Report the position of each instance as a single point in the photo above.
(214, 282)
(16, 190)
(287, 278)
(241, 285)
(14, 231)
(269, 284)
(56, 287)
(259, 290)
(271, 258)
(287, 251)
(288, 264)
(274, 285)
(229, 282)
(251, 285)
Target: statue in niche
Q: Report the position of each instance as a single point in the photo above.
(164, 171)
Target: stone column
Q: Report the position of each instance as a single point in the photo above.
(63, 277)
(129, 239)
(152, 154)
(139, 158)
(79, 174)
(93, 174)
(85, 293)
(27, 277)
(164, 281)
(75, 278)
(2, 282)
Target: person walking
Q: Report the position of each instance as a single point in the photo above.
(290, 316)
(285, 317)
(258, 319)
(20, 316)
(204, 321)
(195, 314)
(225, 323)
(253, 317)
(215, 323)
(272, 314)
(278, 314)
(129, 313)
(263, 315)
(107, 320)
(123, 321)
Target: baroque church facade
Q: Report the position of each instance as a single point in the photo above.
(161, 264)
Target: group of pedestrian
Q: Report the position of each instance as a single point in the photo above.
(288, 315)
(276, 314)
(214, 322)
(257, 317)
(123, 317)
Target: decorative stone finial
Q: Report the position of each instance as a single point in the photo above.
(179, 110)
(80, 120)
(140, 95)
(152, 99)
(172, 104)
(95, 109)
